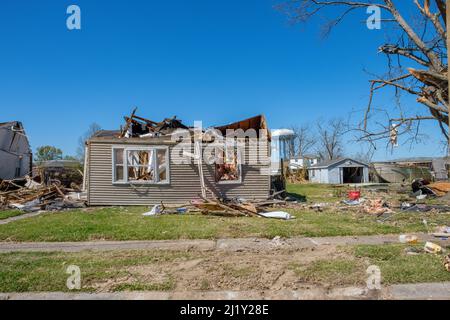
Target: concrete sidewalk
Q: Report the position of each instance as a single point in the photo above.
(423, 291)
(248, 244)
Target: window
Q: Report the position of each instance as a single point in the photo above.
(140, 165)
(228, 164)
(118, 165)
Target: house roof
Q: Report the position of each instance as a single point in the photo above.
(16, 124)
(329, 163)
(258, 122)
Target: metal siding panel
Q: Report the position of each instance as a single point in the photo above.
(184, 183)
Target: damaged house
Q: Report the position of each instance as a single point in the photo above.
(15, 151)
(149, 162)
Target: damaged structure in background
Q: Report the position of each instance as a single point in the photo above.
(66, 173)
(15, 152)
(407, 170)
(48, 186)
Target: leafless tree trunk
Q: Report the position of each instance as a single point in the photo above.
(417, 60)
(92, 130)
(330, 139)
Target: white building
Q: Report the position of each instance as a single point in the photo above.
(15, 152)
(303, 162)
(339, 171)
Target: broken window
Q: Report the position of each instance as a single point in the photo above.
(228, 167)
(142, 165)
(118, 165)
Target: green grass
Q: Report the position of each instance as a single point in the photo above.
(127, 223)
(118, 223)
(10, 213)
(314, 192)
(37, 271)
(332, 272)
(150, 270)
(398, 267)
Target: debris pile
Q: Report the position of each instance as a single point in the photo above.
(65, 173)
(377, 206)
(447, 263)
(136, 126)
(234, 207)
(29, 195)
(425, 187)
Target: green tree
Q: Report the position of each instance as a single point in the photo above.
(46, 153)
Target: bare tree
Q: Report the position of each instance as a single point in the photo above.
(93, 129)
(416, 61)
(365, 155)
(330, 138)
(304, 140)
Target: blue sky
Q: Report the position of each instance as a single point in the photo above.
(215, 61)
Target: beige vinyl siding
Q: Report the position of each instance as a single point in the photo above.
(184, 182)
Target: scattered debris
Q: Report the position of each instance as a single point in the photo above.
(447, 263)
(158, 209)
(411, 239)
(413, 251)
(424, 207)
(424, 187)
(442, 232)
(377, 206)
(277, 215)
(355, 202)
(431, 247)
(276, 241)
(29, 196)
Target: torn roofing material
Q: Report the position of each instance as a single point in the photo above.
(139, 127)
(257, 123)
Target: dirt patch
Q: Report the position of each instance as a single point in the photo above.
(225, 270)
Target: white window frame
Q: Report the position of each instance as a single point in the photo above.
(239, 163)
(154, 149)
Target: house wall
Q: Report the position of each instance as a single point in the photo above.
(184, 181)
(14, 153)
(320, 176)
(334, 175)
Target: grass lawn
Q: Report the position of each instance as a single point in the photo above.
(396, 267)
(315, 192)
(217, 270)
(127, 223)
(118, 223)
(22, 272)
(10, 213)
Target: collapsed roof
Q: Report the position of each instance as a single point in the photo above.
(139, 127)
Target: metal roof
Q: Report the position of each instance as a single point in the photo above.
(329, 163)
